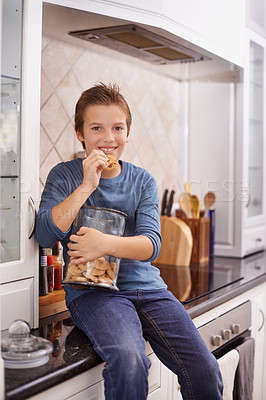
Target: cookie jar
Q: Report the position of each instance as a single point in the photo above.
(104, 270)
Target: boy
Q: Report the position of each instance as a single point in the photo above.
(119, 322)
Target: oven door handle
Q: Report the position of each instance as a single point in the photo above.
(263, 320)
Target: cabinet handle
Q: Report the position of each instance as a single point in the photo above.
(33, 207)
(248, 202)
(263, 320)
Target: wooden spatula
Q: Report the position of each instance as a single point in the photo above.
(195, 205)
(185, 204)
(188, 188)
(209, 200)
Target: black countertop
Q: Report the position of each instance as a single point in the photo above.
(72, 350)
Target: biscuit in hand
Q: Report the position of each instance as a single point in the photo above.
(112, 162)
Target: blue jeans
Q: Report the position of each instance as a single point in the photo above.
(119, 322)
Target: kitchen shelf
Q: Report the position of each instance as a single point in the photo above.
(52, 303)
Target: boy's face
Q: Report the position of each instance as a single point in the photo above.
(104, 129)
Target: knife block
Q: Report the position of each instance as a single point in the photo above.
(200, 229)
(176, 242)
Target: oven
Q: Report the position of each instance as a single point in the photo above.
(227, 331)
(224, 334)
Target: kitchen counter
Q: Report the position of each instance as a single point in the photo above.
(72, 350)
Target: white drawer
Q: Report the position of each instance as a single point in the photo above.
(254, 239)
(16, 302)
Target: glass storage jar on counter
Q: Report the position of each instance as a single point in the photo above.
(103, 271)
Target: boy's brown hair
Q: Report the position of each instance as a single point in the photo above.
(100, 95)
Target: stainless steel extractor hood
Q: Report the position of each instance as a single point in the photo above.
(138, 42)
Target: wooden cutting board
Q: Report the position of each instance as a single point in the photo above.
(174, 259)
(177, 242)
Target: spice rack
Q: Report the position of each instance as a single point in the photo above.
(52, 295)
(52, 303)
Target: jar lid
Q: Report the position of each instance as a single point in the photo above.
(22, 350)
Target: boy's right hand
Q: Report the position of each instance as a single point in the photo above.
(93, 165)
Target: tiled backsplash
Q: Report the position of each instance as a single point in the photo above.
(157, 135)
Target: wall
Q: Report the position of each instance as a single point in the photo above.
(156, 139)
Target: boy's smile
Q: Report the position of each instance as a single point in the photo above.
(104, 129)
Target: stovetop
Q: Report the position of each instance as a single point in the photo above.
(200, 282)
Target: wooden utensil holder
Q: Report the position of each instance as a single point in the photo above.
(200, 229)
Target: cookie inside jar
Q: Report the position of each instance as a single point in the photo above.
(100, 272)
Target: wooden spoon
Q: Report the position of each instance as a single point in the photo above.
(195, 205)
(209, 200)
(185, 204)
(188, 188)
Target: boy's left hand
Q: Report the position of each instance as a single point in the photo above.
(86, 245)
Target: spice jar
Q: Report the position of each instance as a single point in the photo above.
(57, 267)
(50, 272)
(43, 282)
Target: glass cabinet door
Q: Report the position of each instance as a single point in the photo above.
(256, 128)
(10, 130)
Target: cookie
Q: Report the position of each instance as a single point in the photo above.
(90, 277)
(112, 161)
(78, 278)
(110, 273)
(74, 269)
(83, 266)
(97, 272)
(106, 279)
(113, 266)
(102, 264)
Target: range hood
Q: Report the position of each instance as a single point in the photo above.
(138, 42)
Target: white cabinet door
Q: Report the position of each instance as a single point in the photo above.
(158, 380)
(89, 385)
(16, 299)
(226, 151)
(95, 392)
(254, 146)
(213, 157)
(20, 145)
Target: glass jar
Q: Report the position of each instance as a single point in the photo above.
(104, 270)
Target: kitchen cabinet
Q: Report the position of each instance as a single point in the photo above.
(89, 384)
(20, 115)
(234, 133)
(251, 216)
(254, 136)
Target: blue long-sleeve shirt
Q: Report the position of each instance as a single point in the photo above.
(133, 191)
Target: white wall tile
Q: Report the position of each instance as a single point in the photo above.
(53, 118)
